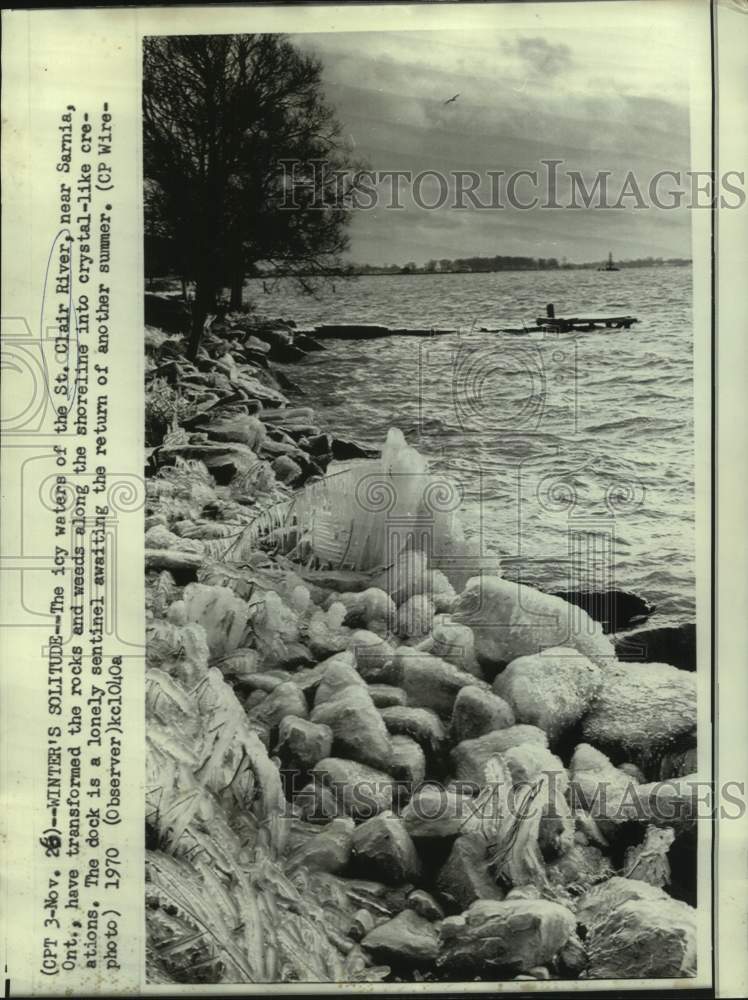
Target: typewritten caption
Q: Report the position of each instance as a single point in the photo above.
(84, 862)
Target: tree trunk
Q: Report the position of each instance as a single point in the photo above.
(237, 289)
(205, 302)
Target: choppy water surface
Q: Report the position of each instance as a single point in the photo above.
(555, 440)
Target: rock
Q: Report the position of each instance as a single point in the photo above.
(387, 695)
(408, 575)
(638, 775)
(434, 811)
(343, 450)
(408, 763)
(442, 594)
(476, 712)
(614, 609)
(414, 617)
(361, 791)
(420, 724)
(510, 620)
(330, 850)
(384, 851)
(551, 690)
(359, 732)
(518, 934)
(675, 645)
(572, 958)
(524, 892)
(453, 643)
(374, 657)
(642, 709)
(285, 469)
(336, 674)
(367, 607)
(302, 743)
(407, 938)
(425, 905)
(317, 803)
(430, 682)
(470, 757)
(465, 877)
(363, 922)
(599, 788)
(286, 699)
(644, 939)
(527, 761)
(239, 427)
(648, 861)
(675, 764)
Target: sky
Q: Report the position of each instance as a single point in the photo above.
(596, 98)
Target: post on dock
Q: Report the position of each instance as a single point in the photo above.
(550, 311)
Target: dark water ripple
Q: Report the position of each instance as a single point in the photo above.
(608, 415)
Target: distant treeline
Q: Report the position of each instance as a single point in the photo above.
(487, 265)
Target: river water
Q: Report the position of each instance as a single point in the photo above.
(573, 452)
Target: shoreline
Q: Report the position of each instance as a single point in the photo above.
(317, 682)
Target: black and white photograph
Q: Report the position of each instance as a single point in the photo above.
(423, 692)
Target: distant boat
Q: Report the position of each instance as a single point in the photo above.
(609, 265)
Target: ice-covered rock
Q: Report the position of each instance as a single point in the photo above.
(515, 933)
(430, 682)
(407, 938)
(469, 758)
(510, 620)
(302, 743)
(361, 791)
(286, 699)
(414, 617)
(359, 732)
(383, 851)
(644, 939)
(551, 690)
(465, 876)
(642, 708)
(476, 712)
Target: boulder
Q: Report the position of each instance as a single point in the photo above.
(383, 851)
(387, 695)
(470, 757)
(510, 620)
(414, 617)
(330, 849)
(420, 724)
(477, 712)
(644, 939)
(338, 674)
(365, 608)
(551, 690)
(519, 934)
(374, 657)
(642, 709)
(438, 812)
(317, 803)
(465, 877)
(407, 938)
(430, 682)
(408, 763)
(302, 743)
(527, 761)
(599, 788)
(424, 904)
(453, 643)
(361, 791)
(358, 730)
(284, 700)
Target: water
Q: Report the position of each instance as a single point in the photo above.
(574, 452)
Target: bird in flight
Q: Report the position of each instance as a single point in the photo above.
(451, 99)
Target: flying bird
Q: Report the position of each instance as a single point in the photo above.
(452, 99)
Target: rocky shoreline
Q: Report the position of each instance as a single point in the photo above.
(372, 773)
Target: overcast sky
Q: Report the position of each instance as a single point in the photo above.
(598, 100)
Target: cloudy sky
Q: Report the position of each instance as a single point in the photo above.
(599, 99)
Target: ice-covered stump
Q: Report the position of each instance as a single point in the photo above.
(510, 620)
(551, 690)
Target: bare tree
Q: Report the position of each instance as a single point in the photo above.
(243, 162)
